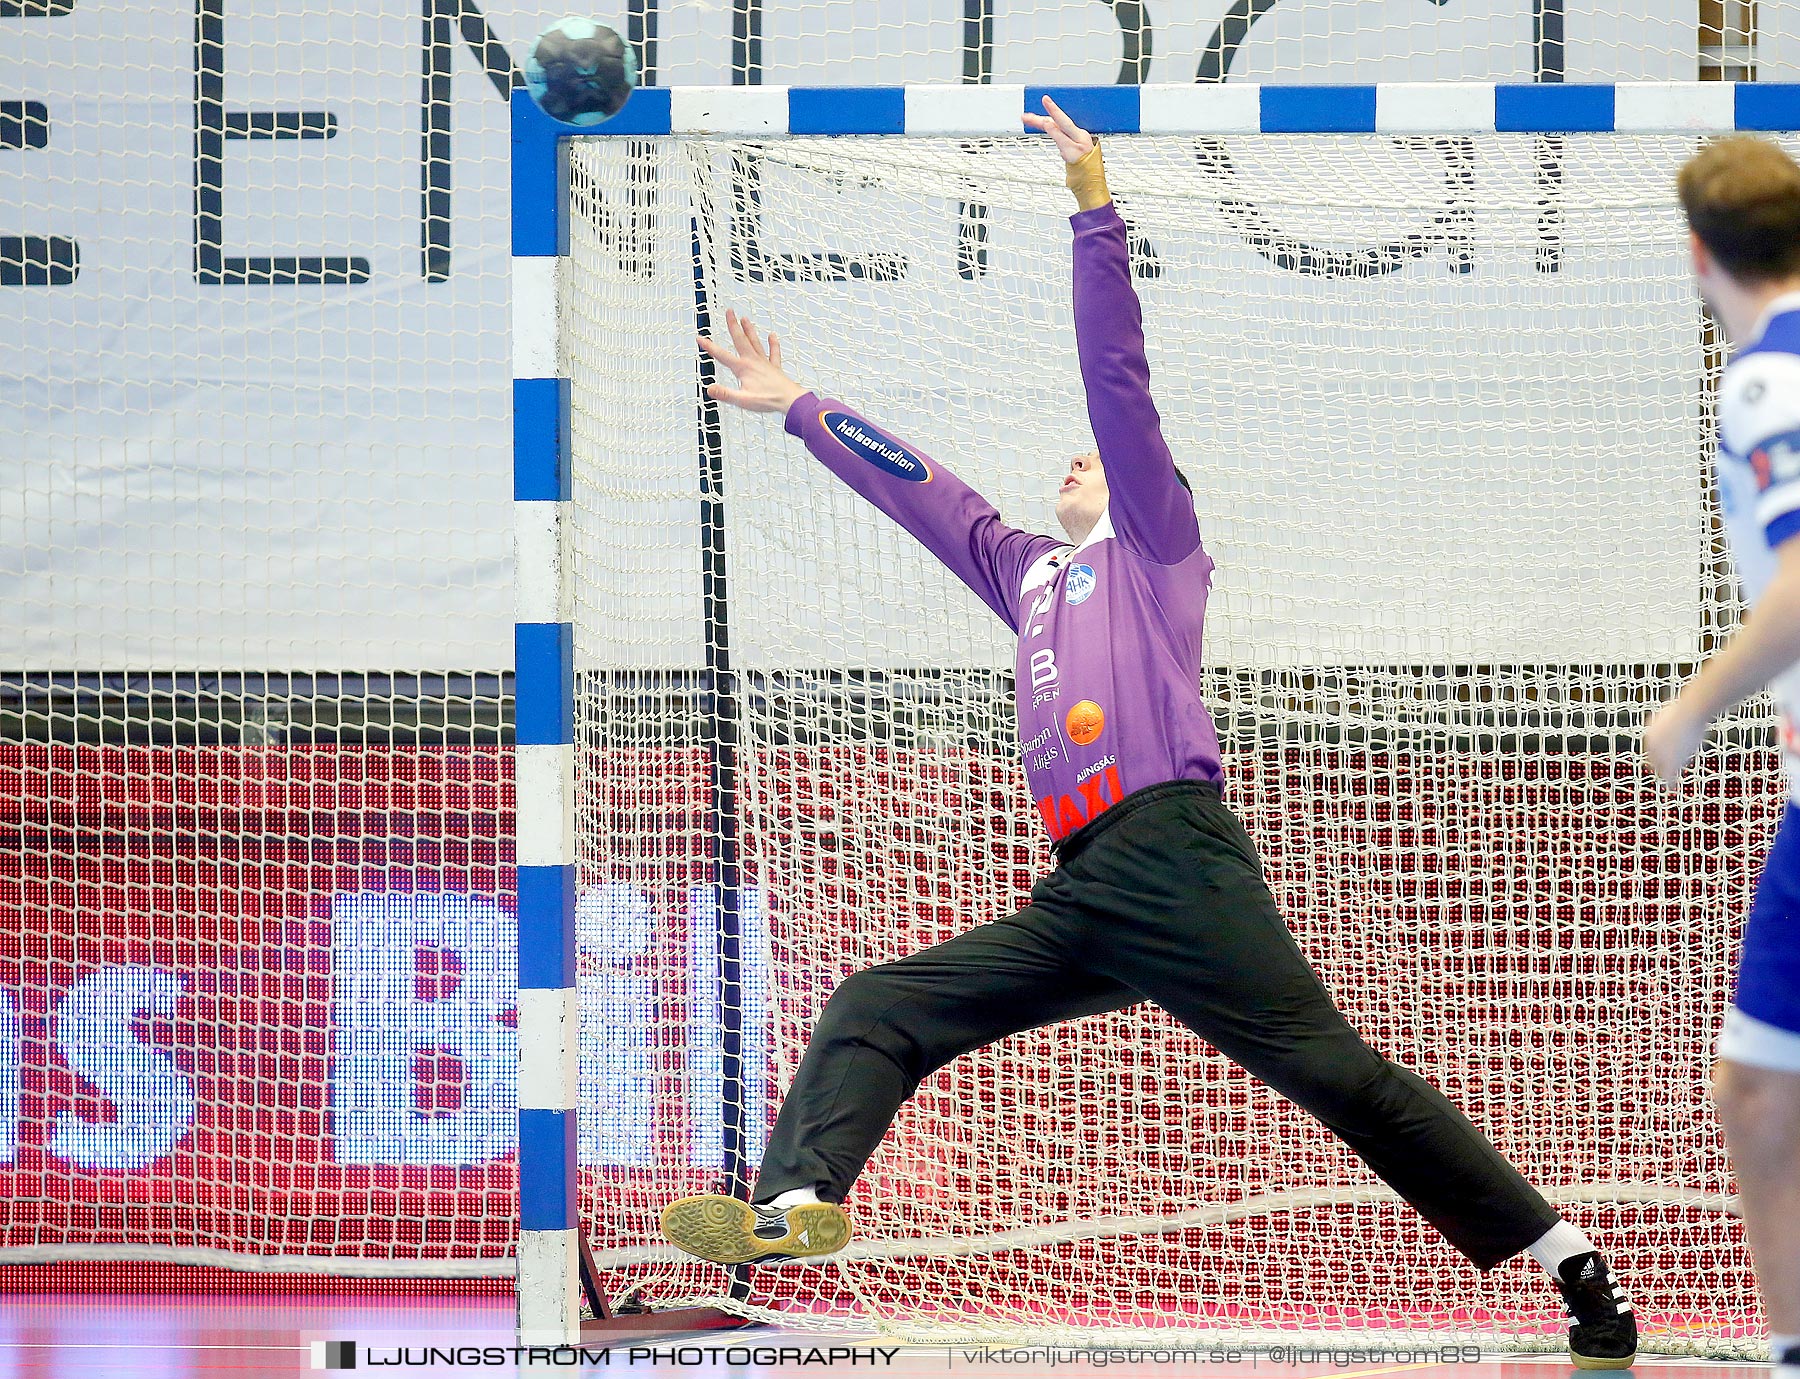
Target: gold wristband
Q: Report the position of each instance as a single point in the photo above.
(1086, 177)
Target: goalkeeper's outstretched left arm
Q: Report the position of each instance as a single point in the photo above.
(950, 519)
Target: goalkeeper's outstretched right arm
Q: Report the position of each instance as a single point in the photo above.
(1150, 508)
(950, 519)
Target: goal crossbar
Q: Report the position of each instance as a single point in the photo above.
(1186, 108)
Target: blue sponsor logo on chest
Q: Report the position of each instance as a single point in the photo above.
(1080, 584)
(879, 451)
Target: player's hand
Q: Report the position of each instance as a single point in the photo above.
(1072, 141)
(1671, 737)
(762, 386)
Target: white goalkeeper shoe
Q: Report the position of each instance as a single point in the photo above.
(728, 1231)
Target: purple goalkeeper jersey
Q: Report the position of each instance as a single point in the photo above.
(1108, 662)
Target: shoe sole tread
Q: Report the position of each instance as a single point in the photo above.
(723, 1229)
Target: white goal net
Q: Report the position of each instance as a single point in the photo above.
(257, 889)
(1444, 403)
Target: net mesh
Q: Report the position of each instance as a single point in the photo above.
(255, 399)
(1444, 403)
(254, 673)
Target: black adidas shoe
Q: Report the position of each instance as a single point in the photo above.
(1604, 1335)
(728, 1231)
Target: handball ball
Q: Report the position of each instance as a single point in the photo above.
(580, 72)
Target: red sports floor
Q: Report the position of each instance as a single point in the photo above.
(228, 1336)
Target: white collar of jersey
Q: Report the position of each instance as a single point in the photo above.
(1044, 568)
(1103, 530)
(1786, 302)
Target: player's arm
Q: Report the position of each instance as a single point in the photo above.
(1766, 645)
(950, 519)
(1760, 409)
(1151, 511)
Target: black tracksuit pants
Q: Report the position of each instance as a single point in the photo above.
(1160, 898)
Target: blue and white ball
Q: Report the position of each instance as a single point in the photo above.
(580, 72)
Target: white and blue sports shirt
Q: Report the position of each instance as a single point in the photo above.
(1758, 475)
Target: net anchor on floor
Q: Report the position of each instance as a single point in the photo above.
(608, 1320)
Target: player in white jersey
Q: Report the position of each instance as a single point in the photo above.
(1742, 198)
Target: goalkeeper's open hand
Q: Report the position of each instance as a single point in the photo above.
(1085, 174)
(762, 385)
(1072, 141)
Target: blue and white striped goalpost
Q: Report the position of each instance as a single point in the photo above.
(543, 772)
(549, 1226)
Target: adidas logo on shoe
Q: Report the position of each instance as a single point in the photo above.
(1604, 1334)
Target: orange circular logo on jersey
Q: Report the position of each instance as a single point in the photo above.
(1085, 722)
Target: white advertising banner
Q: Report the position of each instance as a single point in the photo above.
(254, 366)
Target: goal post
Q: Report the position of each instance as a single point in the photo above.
(1430, 355)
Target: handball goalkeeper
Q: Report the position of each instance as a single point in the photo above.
(1157, 893)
